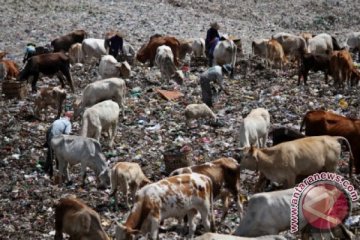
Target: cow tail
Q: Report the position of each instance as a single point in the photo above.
(351, 157)
(303, 123)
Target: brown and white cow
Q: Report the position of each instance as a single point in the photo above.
(53, 97)
(293, 46)
(341, 66)
(275, 53)
(148, 51)
(9, 69)
(320, 122)
(225, 176)
(259, 47)
(176, 196)
(64, 43)
(286, 161)
(75, 218)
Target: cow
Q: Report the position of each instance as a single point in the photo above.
(225, 176)
(93, 48)
(198, 47)
(353, 42)
(49, 96)
(284, 134)
(114, 43)
(320, 122)
(341, 66)
(69, 149)
(314, 62)
(294, 46)
(164, 59)
(148, 51)
(286, 161)
(217, 236)
(254, 129)
(127, 175)
(185, 47)
(102, 116)
(109, 67)
(259, 47)
(198, 111)
(75, 53)
(225, 53)
(64, 43)
(111, 88)
(47, 64)
(307, 36)
(275, 53)
(177, 196)
(74, 217)
(9, 69)
(322, 44)
(32, 50)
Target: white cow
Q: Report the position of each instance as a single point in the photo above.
(198, 47)
(110, 67)
(164, 59)
(111, 88)
(93, 48)
(322, 44)
(69, 149)
(259, 47)
(103, 116)
(254, 129)
(294, 46)
(225, 53)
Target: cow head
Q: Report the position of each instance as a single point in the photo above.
(249, 159)
(124, 233)
(79, 35)
(178, 76)
(104, 178)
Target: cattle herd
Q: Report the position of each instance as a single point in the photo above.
(191, 191)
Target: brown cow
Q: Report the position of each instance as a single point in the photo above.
(341, 66)
(64, 43)
(320, 122)
(48, 64)
(53, 97)
(11, 69)
(275, 53)
(73, 217)
(315, 62)
(148, 51)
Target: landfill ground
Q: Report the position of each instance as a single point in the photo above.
(151, 123)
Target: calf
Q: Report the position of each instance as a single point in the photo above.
(164, 59)
(284, 134)
(197, 111)
(32, 50)
(75, 53)
(110, 67)
(341, 66)
(320, 122)
(53, 97)
(9, 70)
(127, 175)
(267, 213)
(148, 51)
(254, 129)
(69, 149)
(103, 116)
(75, 218)
(259, 47)
(111, 88)
(198, 47)
(285, 162)
(47, 64)
(176, 196)
(64, 43)
(314, 62)
(225, 176)
(275, 53)
(93, 48)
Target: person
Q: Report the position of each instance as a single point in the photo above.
(58, 127)
(212, 38)
(211, 83)
(114, 43)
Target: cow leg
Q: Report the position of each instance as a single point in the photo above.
(326, 77)
(206, 213)
(113, 133)
(66, 72)
(33, 83)
(225, 199)
(83, 174)
(133, 189)
(192, 226)
(124, 191)
(154, 226)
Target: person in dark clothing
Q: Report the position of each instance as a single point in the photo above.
(114, 44)
(212, 38)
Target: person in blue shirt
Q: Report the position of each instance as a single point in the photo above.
(212, 38)
(58, 127)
